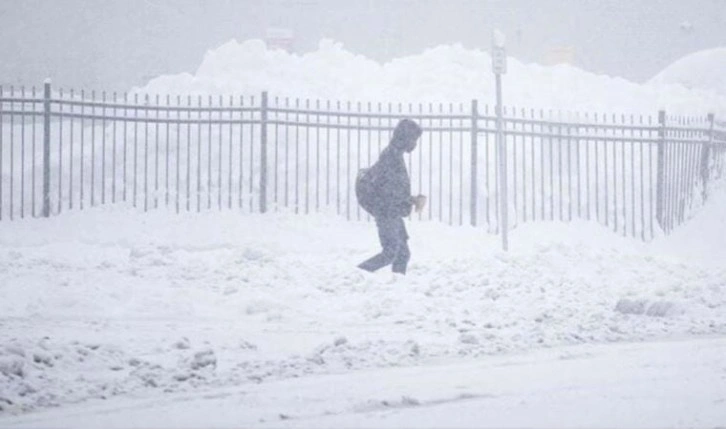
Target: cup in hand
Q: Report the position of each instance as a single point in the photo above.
(419, 202)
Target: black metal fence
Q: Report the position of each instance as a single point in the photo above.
(68, 150)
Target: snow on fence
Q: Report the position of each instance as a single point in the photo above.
(69, 150)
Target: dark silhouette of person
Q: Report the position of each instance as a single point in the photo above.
(394, 201)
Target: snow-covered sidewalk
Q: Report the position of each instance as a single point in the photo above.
(635, 385)
(110, 305)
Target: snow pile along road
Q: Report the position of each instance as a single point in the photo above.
(446, 73)
(111, 302)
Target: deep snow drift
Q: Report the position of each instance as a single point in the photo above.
(701, 70)
(111, 302)
(446, 73)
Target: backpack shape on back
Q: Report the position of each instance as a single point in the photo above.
(367, 189)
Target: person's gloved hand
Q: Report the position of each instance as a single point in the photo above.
(419, 202)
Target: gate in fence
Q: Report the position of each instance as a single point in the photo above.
(68, 150)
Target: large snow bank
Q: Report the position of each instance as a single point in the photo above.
(699, 71)
(446, 73)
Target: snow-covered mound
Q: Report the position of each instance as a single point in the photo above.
(702, 238)
(702, 71)
(110, 302)
(447, 73)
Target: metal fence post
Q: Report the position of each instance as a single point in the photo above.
(502, 159)
(263, 153)
(660, 194)
(474, 157)
(46, 148)
(706, 155)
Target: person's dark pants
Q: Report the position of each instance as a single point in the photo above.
(394, 240)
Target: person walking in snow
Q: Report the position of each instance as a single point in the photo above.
(384, 190)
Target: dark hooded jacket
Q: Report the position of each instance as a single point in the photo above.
(395, 186)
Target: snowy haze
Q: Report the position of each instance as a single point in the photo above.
(116, 44)
(110, 317)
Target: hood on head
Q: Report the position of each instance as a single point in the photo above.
(405, 135)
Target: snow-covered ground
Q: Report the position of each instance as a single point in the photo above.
(111, 317)
(634, 385)
(112, 305)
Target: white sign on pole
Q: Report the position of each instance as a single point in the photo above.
(499, 60)
(499, 54)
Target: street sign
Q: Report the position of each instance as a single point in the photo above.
(499, 54)
(499, 60)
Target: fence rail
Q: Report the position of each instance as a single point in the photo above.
(68, 150)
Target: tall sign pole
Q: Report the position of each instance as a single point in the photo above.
(499, 66)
